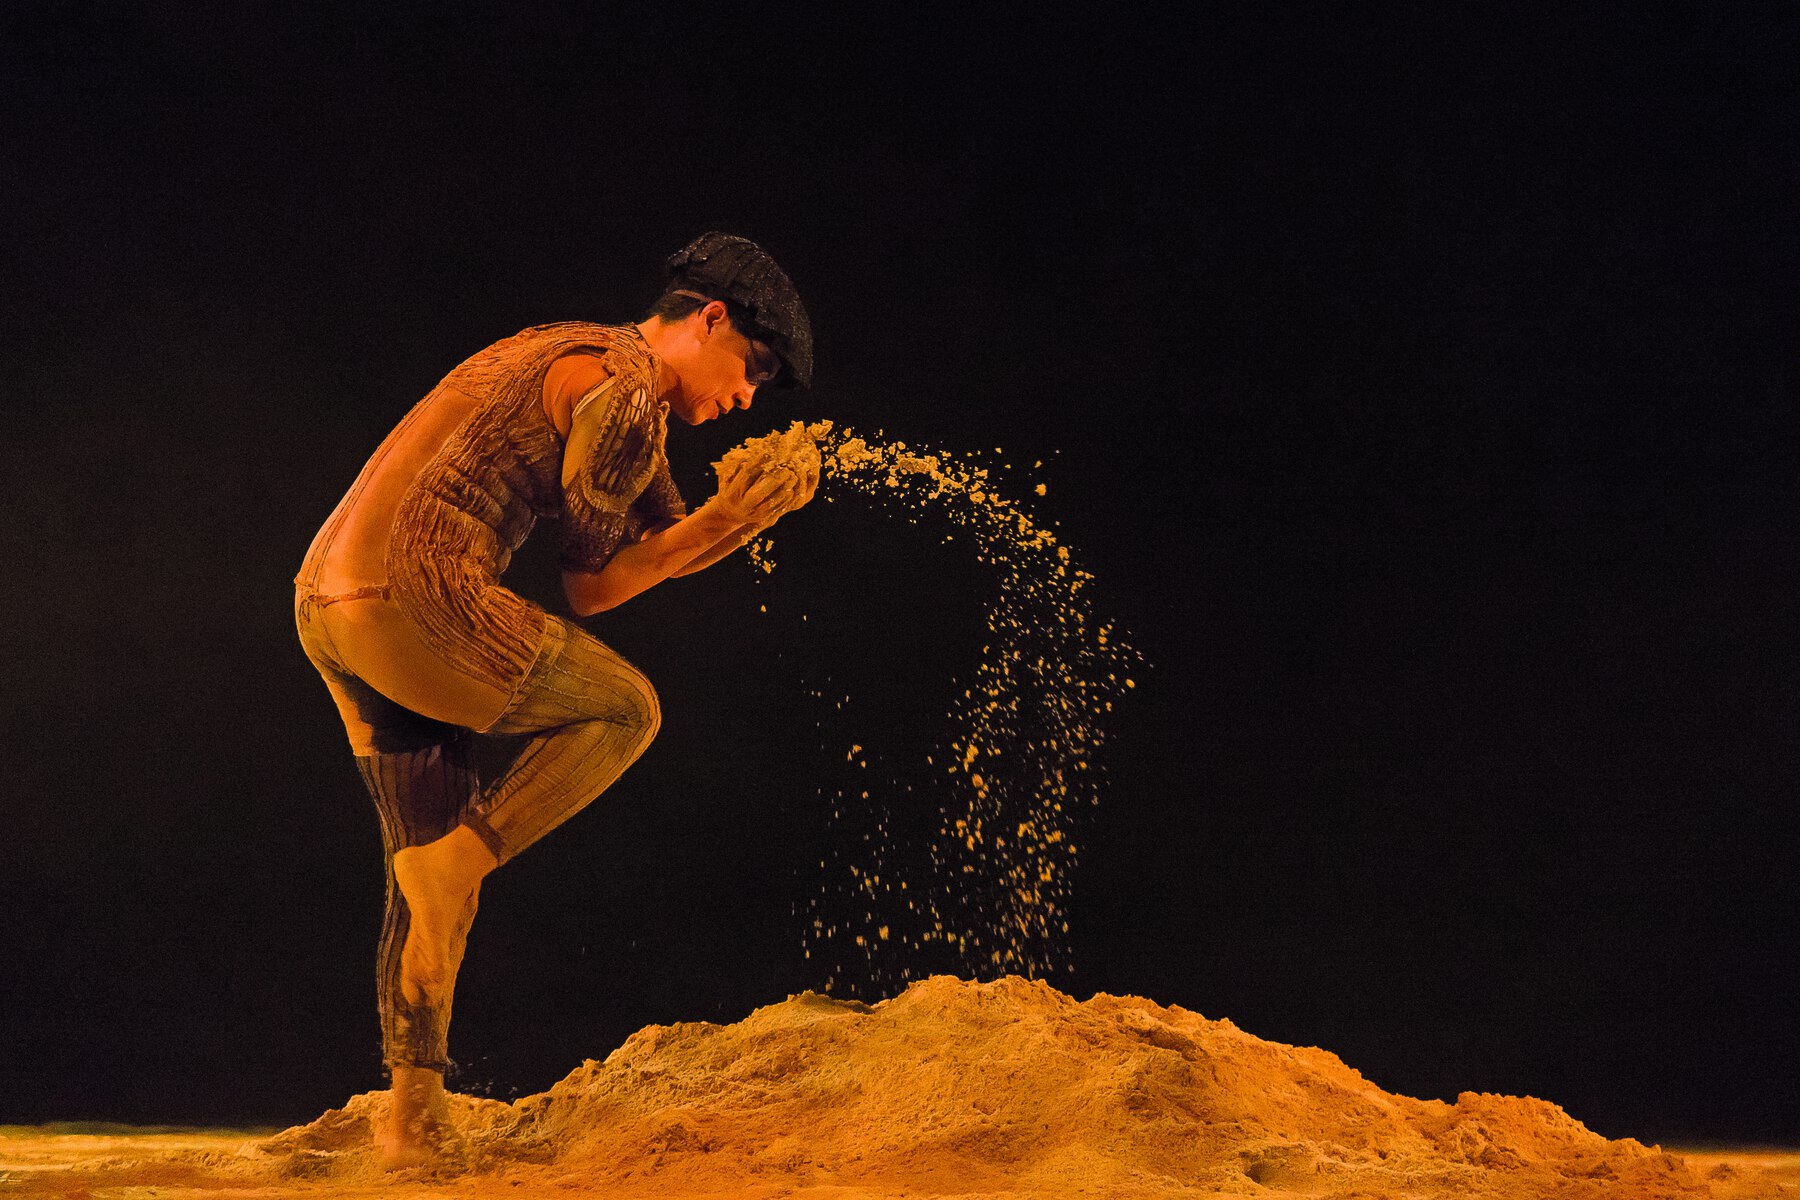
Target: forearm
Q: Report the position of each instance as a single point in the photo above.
(739, 536)
(643, 565)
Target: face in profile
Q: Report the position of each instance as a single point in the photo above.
(717, 368)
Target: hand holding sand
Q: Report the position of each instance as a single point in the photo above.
(756, 498)
(774, 474)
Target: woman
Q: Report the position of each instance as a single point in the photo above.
(399, 604)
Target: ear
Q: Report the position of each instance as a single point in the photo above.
(712, 315)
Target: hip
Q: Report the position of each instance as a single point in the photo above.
(458, 659)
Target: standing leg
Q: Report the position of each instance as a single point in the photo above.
(419, 773)
(419, 796)
(589, 715)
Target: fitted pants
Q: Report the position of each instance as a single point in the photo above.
(584, 713)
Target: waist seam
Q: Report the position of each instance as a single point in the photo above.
(374, 591)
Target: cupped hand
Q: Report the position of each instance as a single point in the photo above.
(736, 479)
(757, 497)
(781, 498)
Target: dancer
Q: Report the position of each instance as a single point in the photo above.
(399, 605)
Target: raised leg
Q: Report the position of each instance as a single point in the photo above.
(588, 715)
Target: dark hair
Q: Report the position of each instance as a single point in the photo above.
(673, 306)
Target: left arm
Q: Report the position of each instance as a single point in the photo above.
(641, 565)
(712, 531)
(613, 455)
(724, 546)
(800, 492)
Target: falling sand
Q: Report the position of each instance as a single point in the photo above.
(958, 857)
(952, 1088)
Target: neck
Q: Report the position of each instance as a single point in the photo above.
(651, 331)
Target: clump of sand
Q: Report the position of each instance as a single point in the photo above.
(793, 451)
(1002, 1089)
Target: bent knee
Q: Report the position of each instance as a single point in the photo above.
(643, 711)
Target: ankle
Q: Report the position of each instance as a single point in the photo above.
(447, 869)
(469, 855)
(416, 1080)
(418, 1091)
(460, 857)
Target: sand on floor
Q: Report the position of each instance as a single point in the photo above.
(950, 1089)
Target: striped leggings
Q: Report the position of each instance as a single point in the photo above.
(586, 715)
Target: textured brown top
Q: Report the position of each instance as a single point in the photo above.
(437, 512)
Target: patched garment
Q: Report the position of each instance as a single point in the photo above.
(434, 518)
(615, 475)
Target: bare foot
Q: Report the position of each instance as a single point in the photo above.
(417, 1117)
(441, 882)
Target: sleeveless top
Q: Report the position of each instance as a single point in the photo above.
(433, 519)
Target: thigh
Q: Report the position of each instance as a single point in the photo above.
(377, 725)
(577, 677)
(373, 723)
(377, 643)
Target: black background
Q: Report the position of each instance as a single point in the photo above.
(1424, 403)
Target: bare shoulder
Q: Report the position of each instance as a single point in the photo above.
(570, 378)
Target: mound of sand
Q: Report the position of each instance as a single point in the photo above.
(1009, 1088)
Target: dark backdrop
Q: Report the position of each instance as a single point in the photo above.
(1425, 407)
